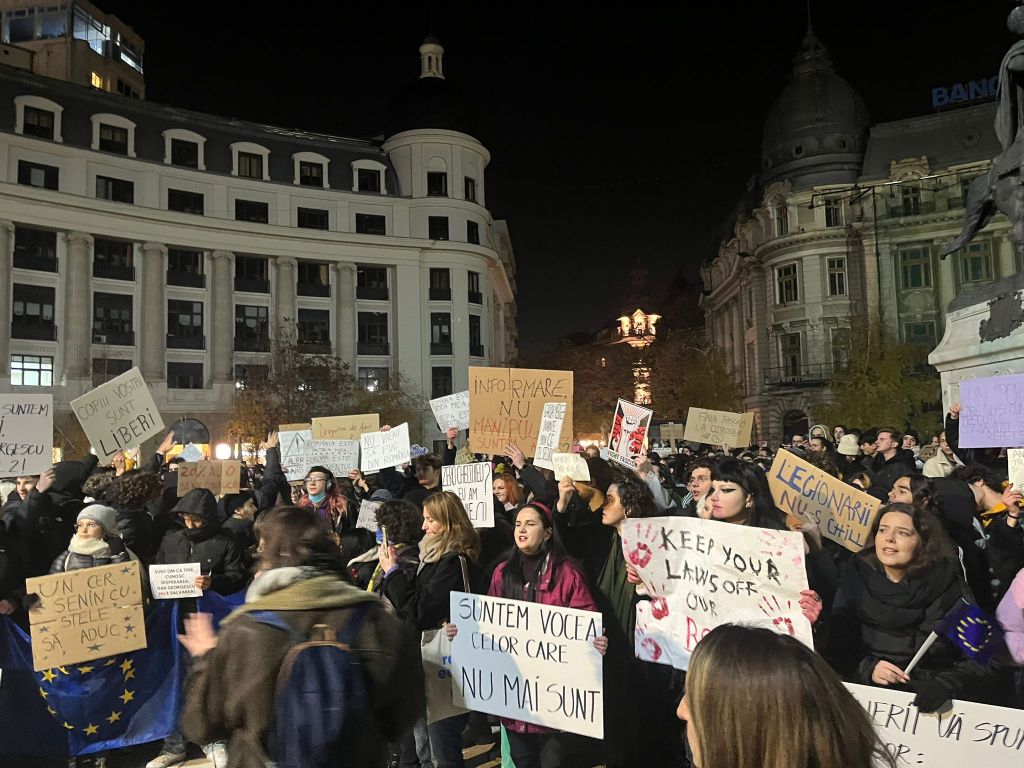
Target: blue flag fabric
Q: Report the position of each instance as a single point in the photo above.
(219, 606)
(973, 631)
(27, 728)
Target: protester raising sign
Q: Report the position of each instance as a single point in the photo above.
(169, 582)
(218, 476)
(339, 456)
(368, 515)
(345, 427)
(451, 411)
(1015, 464)
(384, 449)
(570, 465)
(702, 573)
(506, 405)
(530, 662)
(841, 512)
(992, 412)
(296, 441)
(118, 415)
(26, 434)
(719, 427)
(629, 430)
(472, 483)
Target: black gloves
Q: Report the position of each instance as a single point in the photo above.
(116, 545)
(931, 694)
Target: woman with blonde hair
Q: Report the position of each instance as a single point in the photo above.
(746, 676)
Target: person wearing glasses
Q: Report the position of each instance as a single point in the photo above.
(337, 512)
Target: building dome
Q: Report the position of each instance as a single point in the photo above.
(431, 102)
(816, 130)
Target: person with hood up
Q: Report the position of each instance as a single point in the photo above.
(95, 542)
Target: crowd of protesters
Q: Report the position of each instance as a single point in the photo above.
(948, 529)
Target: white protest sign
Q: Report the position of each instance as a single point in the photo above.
(473, 484)
(527, 661)
(968, 734)
(295, 441)
(118, 415)
(192, 452)
(702, 573)
(1015, 460)
(548, 435)
(368, 515)
(168, 582)
(570, 465)
(26, 434)
(384, 449)
(451, 411)
(339, 456)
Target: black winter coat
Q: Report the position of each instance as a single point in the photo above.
(210, 546)
(12, 565)
(428, 606)
(885, 473)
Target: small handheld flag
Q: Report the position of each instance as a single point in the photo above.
(972, 630)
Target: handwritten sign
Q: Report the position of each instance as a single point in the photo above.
(473, 484)
(527, 661)
(719, 427)
(451, 411)
(118, 415)
(368, 515)
(192, 452)
(169, 582)
(219, 476)
(547, 438)
(842, 513)
(570, 465)
(26, 434)
(969, 734)
(345, 427)
(384, 449)
(992, 412)
(296, 442)
(702, 573)
(507, 404)
(339, 456)
(1015, 460)
(86, 614)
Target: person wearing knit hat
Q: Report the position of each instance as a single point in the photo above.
(95, 542)
(848, 458)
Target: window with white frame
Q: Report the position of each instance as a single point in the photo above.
(39, 117)
(113, 133)
(184, 148)
(310, 169)
(787, 284)
(368, 176)
(976, 262)
(250, 161)
(31, 371)
(833, 212)
(915, 267)
(837, 276)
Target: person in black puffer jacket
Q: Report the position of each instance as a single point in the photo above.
(95, 542)
(12, 576)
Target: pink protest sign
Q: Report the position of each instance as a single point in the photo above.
(992, 412)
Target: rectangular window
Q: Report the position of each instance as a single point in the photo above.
(314, 278)
(837, 277)
(312, 218)
(38, 123)
(964, 187)
(373, 333)
(252, 274)
(113, 139)
(370, 224)
(476, 344)
(311, 174)
(184, 153)
(250, 210)
(910, 199)
(916, 268)
(437, 184)
(470, 189)
(922, 334)
(35, 249)
(96, 81)
(440, 333)
(250, 166)
(185, 325)
(833, 213)
(250, 376)
(185, 202)
(184, 375)
(112, 319)
(252, 328)
(781, 215)
(440, 284)
(38, 175)
(372, 283)
(792, 359)
(368, 180)
(126, 90)
(976, 263)
(31, 371)
(374, 379)
(118, 190)
(32, 312)
(314, 330)
(472, 232)
(441, 381)
(113, 259)
(106, 368)
(185, 267)
(437, 227)
(840, 348)
(787, 284)
(476, 296)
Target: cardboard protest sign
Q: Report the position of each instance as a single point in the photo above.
(26, 434)
(473, 484)
(192, 452)
(550, 430)
(1015, 460)
(451, 411)
(629, 429)
(507, 404)
(219, 476)
(345, 427)
(992, 412)
(702, 573)
(719, 427)
(295, 441)
(368, 515)
(339, 456)
(527, 661)
(968, 734)
(118, 415)
(673, 434)
(168, 582)
(570, 465)
(842, 513)
(86, 614)
(384, 449)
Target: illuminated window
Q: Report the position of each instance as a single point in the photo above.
(97, 80)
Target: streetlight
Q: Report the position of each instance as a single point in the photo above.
(222, 451)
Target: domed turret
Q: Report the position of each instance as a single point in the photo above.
(432, 101)
(816, 130)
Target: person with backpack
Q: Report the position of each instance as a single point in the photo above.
(311, 671)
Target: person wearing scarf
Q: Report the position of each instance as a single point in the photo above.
(95, 542)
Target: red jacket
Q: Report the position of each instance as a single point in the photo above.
(569, 590)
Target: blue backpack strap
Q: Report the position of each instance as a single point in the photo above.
(272, 619)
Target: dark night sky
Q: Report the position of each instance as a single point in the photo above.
(617, 132)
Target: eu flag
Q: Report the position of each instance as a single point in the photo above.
(972, 630)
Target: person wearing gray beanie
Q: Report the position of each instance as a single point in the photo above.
(95, 542)
(105, 516)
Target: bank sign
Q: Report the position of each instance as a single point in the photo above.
(958, 93)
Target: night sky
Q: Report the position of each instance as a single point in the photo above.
(616, 135)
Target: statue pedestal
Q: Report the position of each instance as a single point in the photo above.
(984, 336)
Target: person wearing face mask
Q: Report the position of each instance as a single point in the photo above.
(336, 511)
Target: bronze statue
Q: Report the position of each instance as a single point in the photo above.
(1002, 188)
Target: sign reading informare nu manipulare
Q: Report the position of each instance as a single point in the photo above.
(507, 405)
(118, 415)
(26, 434)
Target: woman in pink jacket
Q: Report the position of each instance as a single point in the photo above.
(539, 571)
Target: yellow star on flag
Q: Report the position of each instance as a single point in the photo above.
(129, 674)
(90, 729)
(52, 711)
(43, 693)
(48, 676)
(127, 696)
(84, 670)
(111, 661)
(127, 665)
(114, 717)
(64, 670)
(69, 726)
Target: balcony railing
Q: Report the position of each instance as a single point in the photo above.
(33, 331)
(807, 375)
(373, 348)
(185, 342)
(313, 289)
(119, 339)
(476, 350)
(38, 263)
(371, 292)
(251, 345)
(112, 271)
(252, 284)
(475, 297)
(315, 347)
(187, 279)
(441, 348)
(440, 294)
